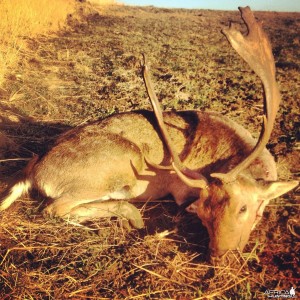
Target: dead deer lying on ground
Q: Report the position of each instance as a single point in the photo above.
(224, 175)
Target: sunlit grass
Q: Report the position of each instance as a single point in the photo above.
(22, 18)
(27, 18)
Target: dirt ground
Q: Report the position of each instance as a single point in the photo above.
(92, 70)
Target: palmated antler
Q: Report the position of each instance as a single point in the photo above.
(256, 50)
(190, 177)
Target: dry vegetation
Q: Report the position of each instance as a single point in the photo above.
(20, 20)
(91, 70)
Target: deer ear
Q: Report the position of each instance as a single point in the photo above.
(272, 190)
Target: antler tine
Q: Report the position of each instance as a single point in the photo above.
(158, 113)
(256, 50)
(192, 178)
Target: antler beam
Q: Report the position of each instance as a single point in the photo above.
(256, 50)
(190, 177)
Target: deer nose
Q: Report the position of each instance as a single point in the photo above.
(217, 260)
(216, 256)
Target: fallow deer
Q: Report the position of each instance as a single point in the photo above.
(209, 163)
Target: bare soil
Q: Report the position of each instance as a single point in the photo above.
(92, 70)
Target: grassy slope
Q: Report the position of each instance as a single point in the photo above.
(93, 71)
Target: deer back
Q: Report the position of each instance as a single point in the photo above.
(205, 141)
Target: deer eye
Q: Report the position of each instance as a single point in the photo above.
(243, 209)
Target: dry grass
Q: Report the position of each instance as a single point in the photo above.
(49, 259)
(22, 19)
(21, 22)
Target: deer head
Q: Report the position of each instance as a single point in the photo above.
(231, 204)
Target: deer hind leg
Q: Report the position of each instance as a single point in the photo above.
(107, 209)
(101, 172)
(79, 211)
(90, 202)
